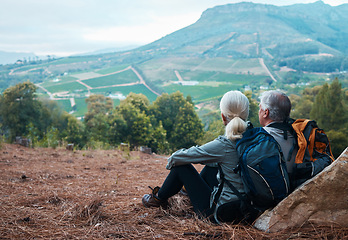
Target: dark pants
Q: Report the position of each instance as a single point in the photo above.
(198, 186)
(230, 212)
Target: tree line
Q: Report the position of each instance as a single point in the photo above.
(167, 124)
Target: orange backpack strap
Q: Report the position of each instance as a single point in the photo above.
(299, 125)
(311, 145)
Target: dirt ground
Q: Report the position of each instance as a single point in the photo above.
(62, 194)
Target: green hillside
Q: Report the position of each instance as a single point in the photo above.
(236, 46)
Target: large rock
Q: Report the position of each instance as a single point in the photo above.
(322, 200)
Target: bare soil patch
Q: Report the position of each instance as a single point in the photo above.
(61, 194)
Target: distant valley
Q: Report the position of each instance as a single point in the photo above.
(242, 46)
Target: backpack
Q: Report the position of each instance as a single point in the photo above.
(262, 169)
(314, 151)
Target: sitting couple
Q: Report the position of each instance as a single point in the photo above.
(203, 188)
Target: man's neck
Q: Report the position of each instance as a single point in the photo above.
(268, 122)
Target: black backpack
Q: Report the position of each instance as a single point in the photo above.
(262, 169)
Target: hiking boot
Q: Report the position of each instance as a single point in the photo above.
(152, 200)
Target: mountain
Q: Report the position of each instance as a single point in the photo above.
(243, 46)
(238, 29)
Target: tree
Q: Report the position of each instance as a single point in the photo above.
(215, 129)
(97, 128)
(158, 142)
(253, 109)
(139, 101)
(98, 104)
(50, 138)
(52, 115)
(138, 124)
(320, 109)
(292, 77)
(96, 119)
(140, 130)
(302, 105)
(330, 112)
(175, 112)
(338, 141)
(74, 132)
(187, 128)
(328, 109)
(339, 115)
(118, 128)
(166, 108)
(18, 108)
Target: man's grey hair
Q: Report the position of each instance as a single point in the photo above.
(277, 103)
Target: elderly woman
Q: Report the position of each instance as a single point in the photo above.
(218, 202)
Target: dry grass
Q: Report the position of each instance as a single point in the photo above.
(60, 194)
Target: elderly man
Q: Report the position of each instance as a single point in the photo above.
(274, 114)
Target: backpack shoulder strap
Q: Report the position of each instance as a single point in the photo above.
(299, 126)
(286, 127)
(230, 185)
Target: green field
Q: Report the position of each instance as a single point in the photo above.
(202, 93)
(170, 64)
(221, 77)
(217, 64)
(113, 79)
(198, 75)
(112, 69)
(125, 90)
(65, 104)
(41, 93)
(62, 80)
(81, 107)
(61, 87)
(215, 76)
(161, 76)
(199, 69)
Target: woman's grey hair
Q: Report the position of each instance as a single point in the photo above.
(234, 105)
(277, 103)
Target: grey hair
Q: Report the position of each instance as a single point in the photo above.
(234, 105)
(277, 103)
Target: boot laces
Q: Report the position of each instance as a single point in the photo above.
(155, 191)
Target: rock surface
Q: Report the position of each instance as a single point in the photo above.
(322, 200)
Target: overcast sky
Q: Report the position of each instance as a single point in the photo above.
(66, 27)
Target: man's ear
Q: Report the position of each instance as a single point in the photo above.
(263, 114)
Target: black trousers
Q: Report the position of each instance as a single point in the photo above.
(198, 186)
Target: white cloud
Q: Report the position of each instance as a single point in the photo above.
(65, 26)
(141, 34)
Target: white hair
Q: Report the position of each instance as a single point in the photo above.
(234, 105)
(277, 103)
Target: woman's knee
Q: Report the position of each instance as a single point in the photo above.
(184, 169)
